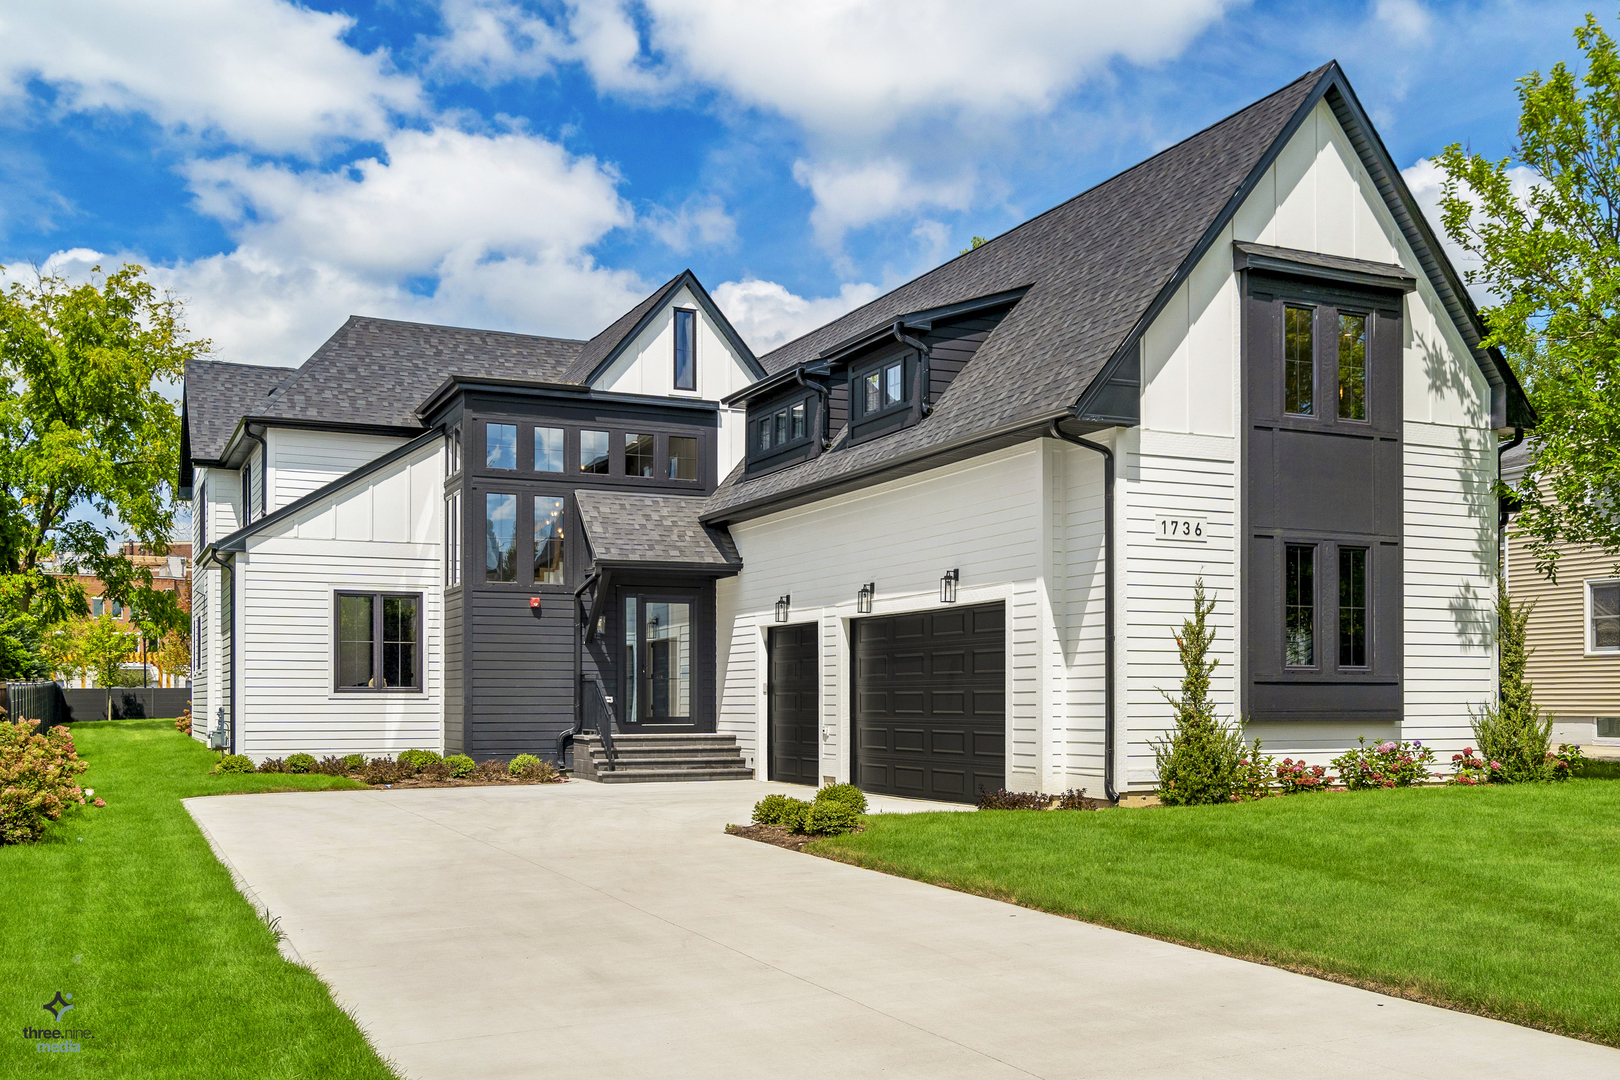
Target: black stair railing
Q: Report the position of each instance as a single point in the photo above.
(599, 716)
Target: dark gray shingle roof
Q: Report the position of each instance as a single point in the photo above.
(599, 347)
(1094, 265)
(220, 394)
(629, 527)
(377, 371)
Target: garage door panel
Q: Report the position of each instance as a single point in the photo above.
(930, 703)
(794, 703)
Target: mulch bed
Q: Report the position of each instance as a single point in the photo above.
(770, 834)
(471, 781)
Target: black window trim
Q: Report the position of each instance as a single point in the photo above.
(757, 458)
(1368, 326)
(377, 596)
(675, 327)
(908, 387)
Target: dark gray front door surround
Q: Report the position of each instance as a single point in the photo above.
(793, 703)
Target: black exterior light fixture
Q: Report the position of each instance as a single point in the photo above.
(863, 599)
(782, 604)
(947, 586)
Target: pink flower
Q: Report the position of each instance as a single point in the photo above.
(99, 802)
(1496, 764)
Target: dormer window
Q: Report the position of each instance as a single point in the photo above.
(781, 432)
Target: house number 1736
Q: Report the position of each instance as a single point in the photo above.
(1188, 530)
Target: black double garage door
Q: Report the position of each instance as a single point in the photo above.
(930, 703)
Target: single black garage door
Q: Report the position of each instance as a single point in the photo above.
(794, 704)
(930, 703)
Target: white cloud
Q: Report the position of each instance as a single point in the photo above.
(767, 315)
(698, 223)
(454, 227)
(492, 41)
(1408, 19)
(850, 195)
(1423, 178)
(264, 74)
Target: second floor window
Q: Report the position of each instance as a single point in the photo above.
(1352, 367)
(685, 350)
(639, 456)
(548, 449)
(500, 537)
(500, 446)
(594, 456)
(1606, 615)
(548, 540)
(683, 461)
(1298, 357)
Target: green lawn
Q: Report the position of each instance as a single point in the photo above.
(170, 969)
(1500, 900)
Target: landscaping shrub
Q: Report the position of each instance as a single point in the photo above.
(845, 794)
(1002, 799)
(1384, 765)
(182, 723)
(521, 762)
(795, 816)
(434, 770)
(1256, 773)
(771, 809)
(354, 762)
(1294, 777)
(538, 771)
(272, 764)
(460, 765)
(1468, 770)
(301, 763)
(331, 766)
(415, 759)
(491, 769)
(234, 763)
(1199, 762)
(381, 770)
(1567, 761)
(831, 817)
(36, 779)
(1514, 733)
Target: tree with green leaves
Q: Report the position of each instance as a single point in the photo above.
(1545, 224)
(1202, 759)
(86, 431)
(104, 648)
(1514, 732)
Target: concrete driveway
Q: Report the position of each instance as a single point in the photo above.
(580, 930)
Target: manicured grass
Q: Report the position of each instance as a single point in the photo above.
(1498, 900)
(170, 969)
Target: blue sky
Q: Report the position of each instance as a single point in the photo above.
(541, 166)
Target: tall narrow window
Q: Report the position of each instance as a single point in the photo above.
(682, 457)
(500, 446)
(1298, 354)
(548, 540)
(594, 456)
(500, 537)
(894, 385)
(452, 443)
(548, 449)
(765, 430)
(1352, 367)
(1352, 607)
(1606, 615)
(354, 644)
(796, 415)
(452, 539)
(1299, 605)
(399, 641)
(873, 387)
(685, 350)
(781, 427)
(639, 456)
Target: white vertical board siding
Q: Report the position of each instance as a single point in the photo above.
(254, 496)
(380, 533)
(647, 366)
(224, 503)
(1450, 570)
(980, 516)
(302, 461)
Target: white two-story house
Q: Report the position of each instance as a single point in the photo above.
(941, 543)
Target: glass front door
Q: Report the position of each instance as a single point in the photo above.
(657, 660)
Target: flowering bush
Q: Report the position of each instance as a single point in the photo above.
(37, 779)
(1254, 775)
(1469, 770)
(1565, 761)
(182, 723)
(1294, 777)
(1384, 765)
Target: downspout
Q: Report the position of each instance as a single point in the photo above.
(264, 475)
(924, 371)
(1108, 602)
(1504, 505)
(821, 392)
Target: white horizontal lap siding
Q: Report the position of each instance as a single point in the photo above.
(1079, 595)
(981, 517)
(1450, 582)
(302, 461)
(378, 535)
(1172, 475)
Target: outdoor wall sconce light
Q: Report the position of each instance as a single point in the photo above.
(947, 586)
(782, 603)
(863, 599)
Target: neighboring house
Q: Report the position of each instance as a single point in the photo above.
(171, 572)
(1573, 635)
(964, 523)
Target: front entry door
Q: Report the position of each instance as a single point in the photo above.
(793, 703)
(658, 660)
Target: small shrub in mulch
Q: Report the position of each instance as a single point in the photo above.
(521, 762)
(381, 770)
(490, 770)
(417, 759)
(1002, 799)
(182, 723)
(460, 765)
(272, 765)
(234, 763)
(37, 779)
(301, 763)
(436, 771)
(774, 835)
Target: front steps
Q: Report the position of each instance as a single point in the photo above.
(642, 759)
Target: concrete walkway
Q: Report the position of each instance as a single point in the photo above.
(578, 930)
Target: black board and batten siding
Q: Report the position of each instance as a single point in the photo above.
(510, 646)
(1323, 483)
